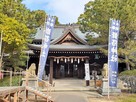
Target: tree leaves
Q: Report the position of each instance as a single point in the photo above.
(17, 24)
(14, 38)
(13, 31)
(96, 19)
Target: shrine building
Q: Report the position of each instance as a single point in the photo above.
(68, 52)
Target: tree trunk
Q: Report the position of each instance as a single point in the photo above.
(127, 64)
(1, 59)
(0, 64)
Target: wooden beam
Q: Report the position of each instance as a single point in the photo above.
(15, 97)
(51, 71)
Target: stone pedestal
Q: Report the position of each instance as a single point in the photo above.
(104, 89)
(32, 82)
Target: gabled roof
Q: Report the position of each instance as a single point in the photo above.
(69, 34)
(58, 31)
(65, 38)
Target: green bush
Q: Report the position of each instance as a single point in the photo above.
(129, 78)
(128, 73)
(6, 81)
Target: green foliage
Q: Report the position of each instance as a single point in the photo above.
(18, 11)
(13, 32)
(14, 9)
(14, 39)
(129, 52)
(129, 77)
(6, 81)
(14, 20)
(128, 98)
(18, 60)
(17, 25)
(57, 20)
(96, 19)
(39, 17)
(97, 14)
(128, 73)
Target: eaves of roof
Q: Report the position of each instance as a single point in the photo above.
(68, 47)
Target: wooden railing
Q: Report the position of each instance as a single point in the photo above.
(9, 94)
(46, 86)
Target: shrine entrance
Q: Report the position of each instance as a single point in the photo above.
(69, 67)
(69, 70)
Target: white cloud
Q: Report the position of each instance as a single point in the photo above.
(67, 11)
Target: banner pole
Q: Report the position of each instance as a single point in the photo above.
(108, 61)
(44, 29)
(50, 22)
(114, 26)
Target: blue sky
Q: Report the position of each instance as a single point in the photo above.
(67, 11)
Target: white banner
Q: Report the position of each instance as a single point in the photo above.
(45, 45)
(87, 71)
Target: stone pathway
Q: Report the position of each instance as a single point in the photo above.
(69, 97)
(72, 90)
(72, 85)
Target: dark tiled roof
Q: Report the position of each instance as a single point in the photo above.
(58, 33)
(59, 30)
(68, 47)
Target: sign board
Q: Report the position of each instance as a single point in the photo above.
(87, 71)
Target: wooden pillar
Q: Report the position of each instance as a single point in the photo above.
(26, 85)
(57, 66)
(51, 71)
(80, 70)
